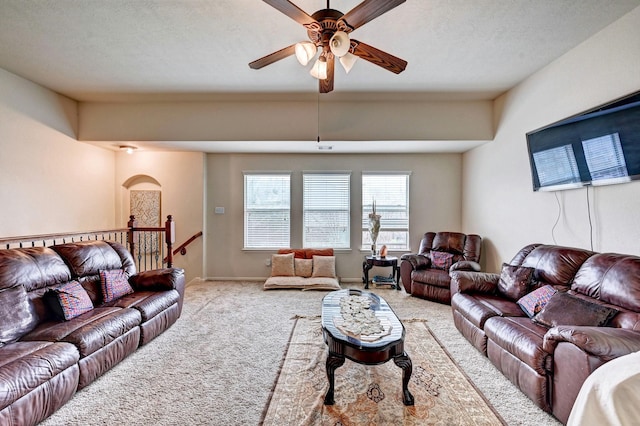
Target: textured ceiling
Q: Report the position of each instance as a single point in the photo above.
(98, 50)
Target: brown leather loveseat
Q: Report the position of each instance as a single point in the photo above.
(426, 273)
(551, 317)
(57, 333)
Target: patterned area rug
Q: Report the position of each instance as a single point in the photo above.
(372, 395)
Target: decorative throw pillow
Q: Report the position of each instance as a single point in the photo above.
(304, 267)
(282, 265)
(565, 309)
(68, 301)
(114, 284)
(533, 302)
(441, 260)
(515, 281)
(16, 313)
(324, 266)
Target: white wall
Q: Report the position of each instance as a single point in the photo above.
(49, 182)
(181, 177)
(434, 204)
(499, 202)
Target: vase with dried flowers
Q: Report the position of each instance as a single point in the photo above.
(374, 226)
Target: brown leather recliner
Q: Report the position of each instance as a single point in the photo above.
(426, 274)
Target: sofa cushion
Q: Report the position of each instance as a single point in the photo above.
(88, 257)
(514, 281)
(303, 267)
(533, 302)
(16, 314)
(25, 366)
(324, 266)
(282, 265)
(441, 260)
(114, 284)
(318, 283)
(565, 309)
(69, 300)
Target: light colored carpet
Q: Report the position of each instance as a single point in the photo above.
(372, 395)
(218, 364)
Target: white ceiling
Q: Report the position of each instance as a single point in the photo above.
(119, 50)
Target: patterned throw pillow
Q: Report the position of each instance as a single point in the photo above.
(441, 260)
(114, 284)
(69, 300)
(533, 302)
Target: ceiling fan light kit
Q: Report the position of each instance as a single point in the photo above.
(328, 31)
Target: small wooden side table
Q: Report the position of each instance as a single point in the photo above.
(371, 261)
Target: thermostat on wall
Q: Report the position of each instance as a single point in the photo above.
(219, 210)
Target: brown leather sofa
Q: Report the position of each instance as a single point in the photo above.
(593, 318)
(45, 360)
(424, 276)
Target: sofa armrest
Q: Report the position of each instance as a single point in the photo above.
(473, 282)
(465, 265)
(157, 279)
(604, 342)
(418, 261)
(161, 280)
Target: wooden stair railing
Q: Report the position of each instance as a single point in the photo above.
(135, 238)
(182, 248)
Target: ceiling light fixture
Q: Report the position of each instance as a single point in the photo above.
(127, 148)
(329, 32)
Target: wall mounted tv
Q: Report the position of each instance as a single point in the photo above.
(598, 147)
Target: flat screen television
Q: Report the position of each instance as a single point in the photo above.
(597, 147)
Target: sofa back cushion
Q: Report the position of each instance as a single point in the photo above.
(462, 246)
(555, 265)
(16, 314)
(87, 258)
(612, 278)
(34, 268)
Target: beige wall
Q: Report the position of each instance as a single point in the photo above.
(180, 176)
(435, 204)
(499, 202)
(49, 182)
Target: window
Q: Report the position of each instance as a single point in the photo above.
(326, 209)
(267, 210)
(391, 194)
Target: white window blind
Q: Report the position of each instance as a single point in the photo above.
(391, 194)
(326, 210)
(267, 210)
(605, 158)
(557, 166)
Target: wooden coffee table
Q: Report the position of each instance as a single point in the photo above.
(370, 350)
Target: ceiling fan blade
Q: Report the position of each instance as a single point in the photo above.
(291, 10)
(367, 11)
(326, 85)
(378, 57)
(273, 57)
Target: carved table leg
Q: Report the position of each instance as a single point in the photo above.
(365, 270)
(333, 362)
(403, 361)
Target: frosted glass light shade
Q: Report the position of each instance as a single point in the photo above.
(319, 69)
(339, 43)
(347, 61)
(305, 50)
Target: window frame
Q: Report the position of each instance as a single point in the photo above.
(385, 227)
(286, 212)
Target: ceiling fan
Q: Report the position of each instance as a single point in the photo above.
(328, 31)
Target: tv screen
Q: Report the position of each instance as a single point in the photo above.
(597, 147)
